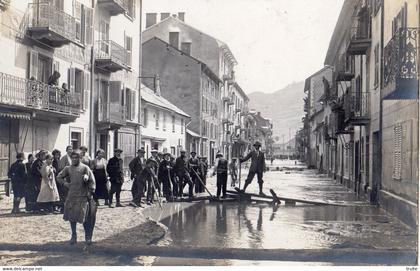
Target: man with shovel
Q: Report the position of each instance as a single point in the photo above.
(257, 167)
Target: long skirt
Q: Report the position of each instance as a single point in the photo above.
(101, 191)
(31, 195)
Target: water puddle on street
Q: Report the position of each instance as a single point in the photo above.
(262, 226)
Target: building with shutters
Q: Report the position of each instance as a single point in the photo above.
(370, 108)
(190, 85)
(216, 55)
(164, 124)
(40, 37)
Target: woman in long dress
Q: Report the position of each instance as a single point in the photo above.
(101, 177)
(48, 195)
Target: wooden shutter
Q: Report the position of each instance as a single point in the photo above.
(72, 79)
(133, 105)
(88, 25)
(33, 64)
(129, 49)
(56, 66)
(397, 152)
(86, 92)
(78, 17)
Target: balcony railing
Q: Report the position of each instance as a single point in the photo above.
(111, 114)
(114, 7)
(360, 36)
(110, 55)
(16, 91)
(400, 65)
(357, 108)
(343, 69)
(51, 25)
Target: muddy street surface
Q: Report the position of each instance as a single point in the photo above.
(230, 233)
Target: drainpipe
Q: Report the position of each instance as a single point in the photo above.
(92, 133)
(138, 134)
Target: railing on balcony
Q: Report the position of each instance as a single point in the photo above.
(400, 64)
(48, 23)
(111, 113)
(357, 107)
(110, 55)
(343, 69)
(360, 34)
(18, 91)
(115, 7)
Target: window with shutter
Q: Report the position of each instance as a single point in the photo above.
(145, 117)
(397, 152)
(173, 124)
(88, 25)
(164, 121)
(78, 18)
(133, 105)
(129, 49)
(128, 104)
(86, 91)
(157, 119)
(72, 79)
(33, 65)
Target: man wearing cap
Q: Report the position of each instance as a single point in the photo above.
(165, 176)
(257, 166)
(181, 169)
(136, 166)
(194, 163)
(116, 177)
(79, 206)
(151, 177)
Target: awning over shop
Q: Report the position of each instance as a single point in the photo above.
(15, 115)
(193, 134)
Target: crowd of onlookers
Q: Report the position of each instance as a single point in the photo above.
(160, 175)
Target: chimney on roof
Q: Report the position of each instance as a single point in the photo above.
(157, 84)
(181, 16)
(151, 19)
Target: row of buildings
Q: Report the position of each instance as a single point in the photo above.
(362, 109)
(171, 87)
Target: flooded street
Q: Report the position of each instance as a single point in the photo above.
(261, 226)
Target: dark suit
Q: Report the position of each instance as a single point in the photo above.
(116, 177)
(136, 166)
(257, 166)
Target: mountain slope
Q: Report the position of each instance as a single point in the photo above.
(284, 107)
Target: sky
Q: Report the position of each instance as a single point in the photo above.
(276, 42)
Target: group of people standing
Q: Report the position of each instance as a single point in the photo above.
(166, 176)
(74, 183)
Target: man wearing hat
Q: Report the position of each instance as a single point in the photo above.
(221, 168)
(194, 163)
(150, 176)
(136, 166)
(257, 166)
(116, 177)
(204, 167)
(165, 176)
(181, 169)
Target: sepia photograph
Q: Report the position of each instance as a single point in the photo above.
(212, 133)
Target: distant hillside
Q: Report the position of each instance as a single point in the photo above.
(284, 107)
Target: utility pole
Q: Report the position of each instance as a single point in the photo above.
(283, 146)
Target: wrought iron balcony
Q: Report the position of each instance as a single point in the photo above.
(340, 125)
(50, 25)
(114, 7)
(360, 36)
(357, 108)
(31, 95)
(110, 56)
(400, 66)
(111, 116)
